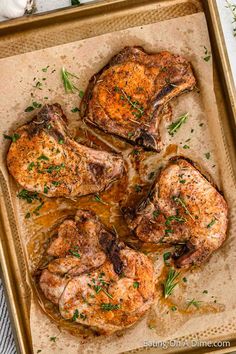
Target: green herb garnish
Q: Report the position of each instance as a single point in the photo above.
(56, 168)
(97, 198)
(75, 109)
(208, 155)
(74, 252)
(43, 157)
(13, 137)
(53, 339)
(170, 282)
(177, 218)
(109, 307)
(138, 188)
(207, 54)
(211, 223)
(173, 127)
(36, 210)
(184, 279)
(136, 284)
(186, 147)
(194, 302)
(68, 84)
(182, 203)
(166, 257)
(28, 196)
(30, 166)
(45, 69)
(173, 308)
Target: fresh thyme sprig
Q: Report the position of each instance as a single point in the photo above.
(97, 198)
(179, 201)
(173, 127)
(68, 84)
(232, 8)
(194, 302)
(170, 282)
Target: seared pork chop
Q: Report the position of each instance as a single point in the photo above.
(183, 207)
(127, 96)
(96, 280)
(45, 159)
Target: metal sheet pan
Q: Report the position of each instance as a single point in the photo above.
(37, 32)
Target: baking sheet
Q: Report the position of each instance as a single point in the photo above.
(186, 36)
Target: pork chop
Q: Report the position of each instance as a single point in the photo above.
(127, 96)
(94, 279)
(45, 159)
(183, 208)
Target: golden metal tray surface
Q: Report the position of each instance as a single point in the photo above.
(72, 24)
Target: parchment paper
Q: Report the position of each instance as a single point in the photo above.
(186, 36)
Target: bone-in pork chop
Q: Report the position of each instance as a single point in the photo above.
(127, 97)
(183, 208)
(45, 159)
(94, 279)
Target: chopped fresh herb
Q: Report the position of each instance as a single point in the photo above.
(43, 157)
(38, 85)
(75, 109)
(36, 210)
(45, 69)
(172, 128)
(27, 215)
(184, 279)
(182, 203)
(208, 155)
(205, 292)
(186, 147)
(81, 94)
(61, 141)
(74, 252)
(170, 282)
(37, 105)
(13, 138)
(28, 196)
(173, 308)
(187, 140)
(194, 303)
(136, 284)
(53, 339)
(166, 257)
(56, 168)
(46, 98)
(207, 54)
(138, 188)
(135, 152)
(33, 106)
(109, 307)
(177, 218)
(156, 213)
(151, 175)
(75, 2)
(130, 134)
(45, 189)
(97, 198)
(182, 181)
(30, 166)
(29, 109)
(169, 231)
(75, 315)
(211, 223)
(68, 84)
(56, 183)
